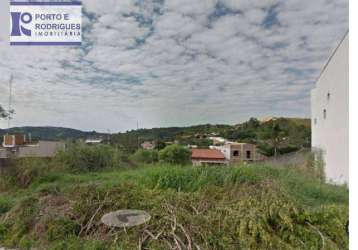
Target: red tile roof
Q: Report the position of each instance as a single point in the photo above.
(207, 154)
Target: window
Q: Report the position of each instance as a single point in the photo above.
(324, 114)
(236, 153)
(248, 154)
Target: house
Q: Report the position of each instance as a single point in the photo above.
(330, 115)
(93, 141)
(240, 152)
(201, 157)
(267, 119)
(11, 141)
(217, 140)
(148, 145)
(16, 146)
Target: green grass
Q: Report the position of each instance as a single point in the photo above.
(236, 207)
(307, 190)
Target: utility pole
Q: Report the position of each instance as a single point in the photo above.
(108, 136)
(137, 135)
(10, 100)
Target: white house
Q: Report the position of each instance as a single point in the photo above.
(93, 141)
(330, 115)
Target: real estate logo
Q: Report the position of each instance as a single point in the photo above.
(45, 23)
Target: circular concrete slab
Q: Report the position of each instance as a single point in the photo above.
(125, 218)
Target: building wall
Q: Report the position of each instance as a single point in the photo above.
(3, 153)
(201, 162)
(232, 157)
(242, 148)
(42, 149)
(330, 115)
(8, 141)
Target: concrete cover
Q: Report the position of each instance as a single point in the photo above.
(125, 218)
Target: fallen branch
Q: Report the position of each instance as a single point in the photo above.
(186, 235)
(319, 232)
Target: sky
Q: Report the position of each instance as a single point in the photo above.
(174, 63)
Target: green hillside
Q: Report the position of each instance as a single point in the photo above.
(52, 133)
(290, 134)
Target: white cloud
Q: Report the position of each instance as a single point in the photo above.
(180, 63)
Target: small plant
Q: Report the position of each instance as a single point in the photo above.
(25, 243)
(5, 205)
(315, 165)
(61, 229)
(22, 172)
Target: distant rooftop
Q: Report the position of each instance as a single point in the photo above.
(212, 154)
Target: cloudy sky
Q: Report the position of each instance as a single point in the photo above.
(174, 62)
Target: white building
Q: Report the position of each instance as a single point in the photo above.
(330, 115)
(93, 141)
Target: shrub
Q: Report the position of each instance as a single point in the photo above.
(175, 154)
(25, 243)
(80, 157)
(19, 221)
(314, 166)
(22, 172)
(5, 205)
(145, 156)
(61, 229)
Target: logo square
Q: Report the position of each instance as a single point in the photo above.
(45, 23)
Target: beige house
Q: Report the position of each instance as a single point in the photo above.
(240, 152)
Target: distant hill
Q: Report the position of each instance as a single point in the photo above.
(301, 121)
(52, 133)
(295, 134)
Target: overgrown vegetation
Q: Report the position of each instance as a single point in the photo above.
(145, 156)
(57, 204)
(80, 157)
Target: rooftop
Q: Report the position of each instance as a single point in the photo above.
(199, 153)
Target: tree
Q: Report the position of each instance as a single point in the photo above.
(175, 154)
(145, 156)
(3, 113)
(160, 145)
(6, 114)
(128, 142)
(274, 136)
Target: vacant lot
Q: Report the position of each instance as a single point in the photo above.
(238, 207)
